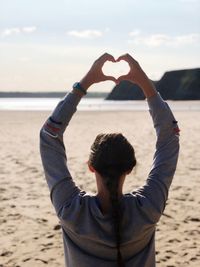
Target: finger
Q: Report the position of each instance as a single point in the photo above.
(110, 78)
(122, 78)
(110, 58)
(120, 58)
(125, 57)
(106, 57)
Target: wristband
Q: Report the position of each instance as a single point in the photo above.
(78, 86)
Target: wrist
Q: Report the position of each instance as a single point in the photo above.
(77, 87)
(142, 79)
(146, 85)
(85, 83)
(148, 88)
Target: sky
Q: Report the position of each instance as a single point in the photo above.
(48, 45)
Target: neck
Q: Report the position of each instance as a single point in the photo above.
(103, 194)
(104, 199)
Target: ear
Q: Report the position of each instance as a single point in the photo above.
(91, 168)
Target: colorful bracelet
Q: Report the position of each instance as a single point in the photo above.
(79, 87)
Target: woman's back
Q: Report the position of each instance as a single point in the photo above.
(91, 237)
(89, 233)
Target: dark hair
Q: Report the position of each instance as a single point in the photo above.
(112, 156)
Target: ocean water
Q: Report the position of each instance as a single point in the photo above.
(88, 104)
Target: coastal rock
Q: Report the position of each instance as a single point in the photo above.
(174, 85)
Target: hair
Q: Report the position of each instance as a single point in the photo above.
(112, 156)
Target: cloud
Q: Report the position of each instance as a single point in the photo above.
(156, 40)
(188, 39)
(86, 34)
(29, 29)
(10, 31)
(16, 31)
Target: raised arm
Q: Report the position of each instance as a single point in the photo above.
(153, 195)
(52, 149)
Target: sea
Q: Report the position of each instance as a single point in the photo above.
(88, 104)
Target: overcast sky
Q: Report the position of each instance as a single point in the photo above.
(47, 45)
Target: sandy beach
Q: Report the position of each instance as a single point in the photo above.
(30, 234)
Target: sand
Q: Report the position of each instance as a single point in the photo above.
(30, 235)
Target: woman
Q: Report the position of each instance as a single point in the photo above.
(110, 229)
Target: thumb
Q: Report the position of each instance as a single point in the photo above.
(111, 78)
(122, 78)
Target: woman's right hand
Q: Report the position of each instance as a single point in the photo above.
(137, 75)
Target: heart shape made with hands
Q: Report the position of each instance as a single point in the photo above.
(115, 69)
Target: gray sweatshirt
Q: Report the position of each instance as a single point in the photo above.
(87, 234)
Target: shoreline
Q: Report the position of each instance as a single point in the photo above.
(90, 104)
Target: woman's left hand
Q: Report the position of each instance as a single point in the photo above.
(95, 74)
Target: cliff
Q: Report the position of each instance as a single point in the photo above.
(174, 85)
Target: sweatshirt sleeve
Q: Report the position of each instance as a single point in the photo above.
(153, 195)
(52, 149)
